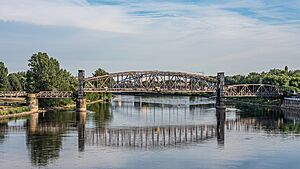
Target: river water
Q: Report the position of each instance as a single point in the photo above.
(153, 132)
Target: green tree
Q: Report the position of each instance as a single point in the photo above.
(3, 77)
(22, 78)
(100, 72)
(286, 69)
(14, 82)
(42, 73)
(45, 74)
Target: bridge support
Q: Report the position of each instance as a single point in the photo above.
(32, 101)
(81, 101)
(220, 100)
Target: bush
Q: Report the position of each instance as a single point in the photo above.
(15, 110)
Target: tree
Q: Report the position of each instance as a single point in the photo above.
(22, 78)
(3, 77)
(42, 73)
(100, 72)
(45, 74)
(14, 82)
(286, 69)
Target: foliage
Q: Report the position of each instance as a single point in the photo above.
(45, 74)
(14, 110)
(102, 113)
(3, 77)
(14, 82)
(286, 78)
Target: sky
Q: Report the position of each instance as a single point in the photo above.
(207, 36)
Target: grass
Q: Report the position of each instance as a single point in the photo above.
(14, 110)
(258, 100)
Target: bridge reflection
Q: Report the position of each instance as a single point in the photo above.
(45, 132)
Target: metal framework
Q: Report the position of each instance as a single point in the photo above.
(55, 94)
(41, 94)
(9, 94)
(155, 82)
(151, 82)
(252, 90)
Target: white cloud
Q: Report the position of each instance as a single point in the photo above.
(69, 13)
(172, 36)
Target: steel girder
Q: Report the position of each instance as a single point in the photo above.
(8, 94)
(252, 90)
(55, 94)
(151, 81)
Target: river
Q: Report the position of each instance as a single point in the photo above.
(153, 132)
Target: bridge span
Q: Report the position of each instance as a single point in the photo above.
(156, 82)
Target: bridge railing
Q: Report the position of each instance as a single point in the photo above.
(13, 94)
(56, 94)
(252, 90)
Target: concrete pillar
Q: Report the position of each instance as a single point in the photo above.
(32, 101)
(81, 101)
(81, 105)
(220, 100)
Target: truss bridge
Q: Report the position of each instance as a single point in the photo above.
(155, 82)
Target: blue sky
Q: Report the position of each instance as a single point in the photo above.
(181, 35)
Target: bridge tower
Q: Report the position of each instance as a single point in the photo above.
(81, 101)
(32, 101)
(220, 100)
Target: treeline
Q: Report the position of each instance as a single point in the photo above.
(289, 79)
(44, 74)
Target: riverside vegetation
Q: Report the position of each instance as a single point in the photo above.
(44, 74)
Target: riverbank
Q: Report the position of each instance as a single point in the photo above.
(18, 112)
(73, 105)
(5, 110)
(21, 114)
(265, 102)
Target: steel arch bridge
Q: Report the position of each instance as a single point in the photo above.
(151, 82)
(172, 83)
(155, 82)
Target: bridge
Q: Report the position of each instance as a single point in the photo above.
(156, 82)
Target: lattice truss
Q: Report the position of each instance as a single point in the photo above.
(5, 94)
(41, 94)
(252, 90)
(150, 81)
(55, 94)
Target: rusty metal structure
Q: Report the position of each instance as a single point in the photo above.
(55, 94)
(156, 82)
(12, 94)
(252, 90)
(151, 82)
(39, 95)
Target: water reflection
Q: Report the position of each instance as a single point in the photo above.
(81, 121)
(221, 117)
(44, 136)
(143, 125)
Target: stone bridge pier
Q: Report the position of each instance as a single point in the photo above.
(220, 100)
(32, 101)
(81, 101)
(220, 109)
